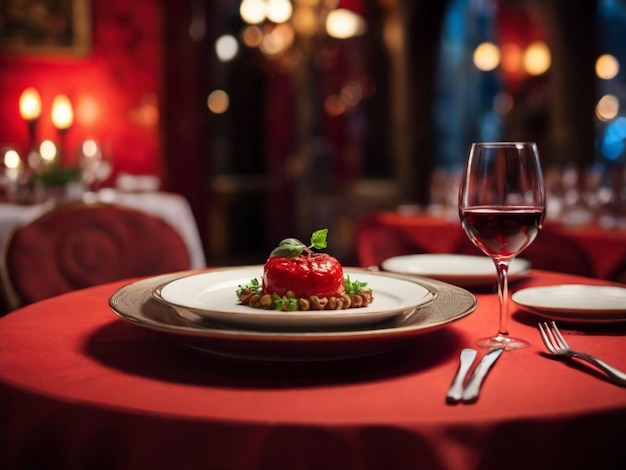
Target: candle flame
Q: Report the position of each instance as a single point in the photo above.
(30, 104)
(62, 112)
(12, 159)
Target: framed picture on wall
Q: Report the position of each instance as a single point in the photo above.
(50, 27)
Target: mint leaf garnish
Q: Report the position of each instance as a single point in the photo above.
(292, 247)
(318, 239)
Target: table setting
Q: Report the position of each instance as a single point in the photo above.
(182, 373)
(278, 336)
(502, 204)
(257, 399)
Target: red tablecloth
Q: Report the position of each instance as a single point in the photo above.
(590, 250)
(81, 388)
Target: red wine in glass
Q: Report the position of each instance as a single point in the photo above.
(502, 232)
(501, 207)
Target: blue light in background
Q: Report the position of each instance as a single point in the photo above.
(613, 140)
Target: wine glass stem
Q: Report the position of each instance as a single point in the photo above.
(503, 294)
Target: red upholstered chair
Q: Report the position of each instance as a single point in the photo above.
(79, 245)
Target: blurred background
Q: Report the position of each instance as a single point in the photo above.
(278, 117)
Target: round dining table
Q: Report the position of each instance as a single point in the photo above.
(83, 388)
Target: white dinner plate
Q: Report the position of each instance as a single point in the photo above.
(212, 295)
(464, 270)
(135, 303)
(575, 302)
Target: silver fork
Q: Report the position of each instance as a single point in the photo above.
(556, 344)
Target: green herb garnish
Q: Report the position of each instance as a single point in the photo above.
(292, 247)
(354, 287)
(253, 287)
(285, 303)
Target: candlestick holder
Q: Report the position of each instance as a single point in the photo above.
(62, 119)
(30, 110)
(33, 157)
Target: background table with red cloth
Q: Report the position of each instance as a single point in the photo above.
(81, 388)
(587, 250)
(171, 207)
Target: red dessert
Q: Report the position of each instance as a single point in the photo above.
(296, 278)
(307, 275)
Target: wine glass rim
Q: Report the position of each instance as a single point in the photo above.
(504, 143)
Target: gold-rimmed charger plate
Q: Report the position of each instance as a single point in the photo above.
(136, 304)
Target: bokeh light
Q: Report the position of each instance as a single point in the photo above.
(486, 56)
(30, 104)
(607, 107)
(62, 112)
(90, 148)
(537, 58)
(334, 105)
(343, 24)
(304, 20)
(614, 139)
(226, 47)
(511, 58)
(278, 40)
(48, 150)
(218, 102)
(252, 36)
(12, 159)
(351, 93)
(279, 11)
(607, 67)
(253, 11)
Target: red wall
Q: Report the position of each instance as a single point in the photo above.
(114, 89)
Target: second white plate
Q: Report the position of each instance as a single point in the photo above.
(465, 270)
(575, 302)
(212, 296)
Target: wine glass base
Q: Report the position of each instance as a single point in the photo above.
(502, 342)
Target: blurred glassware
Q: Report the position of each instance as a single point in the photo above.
(94, 167)
(14, 176)
(575, 210)
(444, 192)
(612, 211)
(594, 177)
(554, 193)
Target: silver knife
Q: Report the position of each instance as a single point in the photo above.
(455, 391)
(470, 393)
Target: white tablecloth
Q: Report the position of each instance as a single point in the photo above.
(173, 208)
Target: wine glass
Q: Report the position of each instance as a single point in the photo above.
(94, 166)
(502, 205)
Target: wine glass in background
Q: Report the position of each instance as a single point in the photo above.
(502, 205)
(94, 167)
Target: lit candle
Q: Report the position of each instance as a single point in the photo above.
(30, 104)
(62, 113)
(48, 151)
(13, 165)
